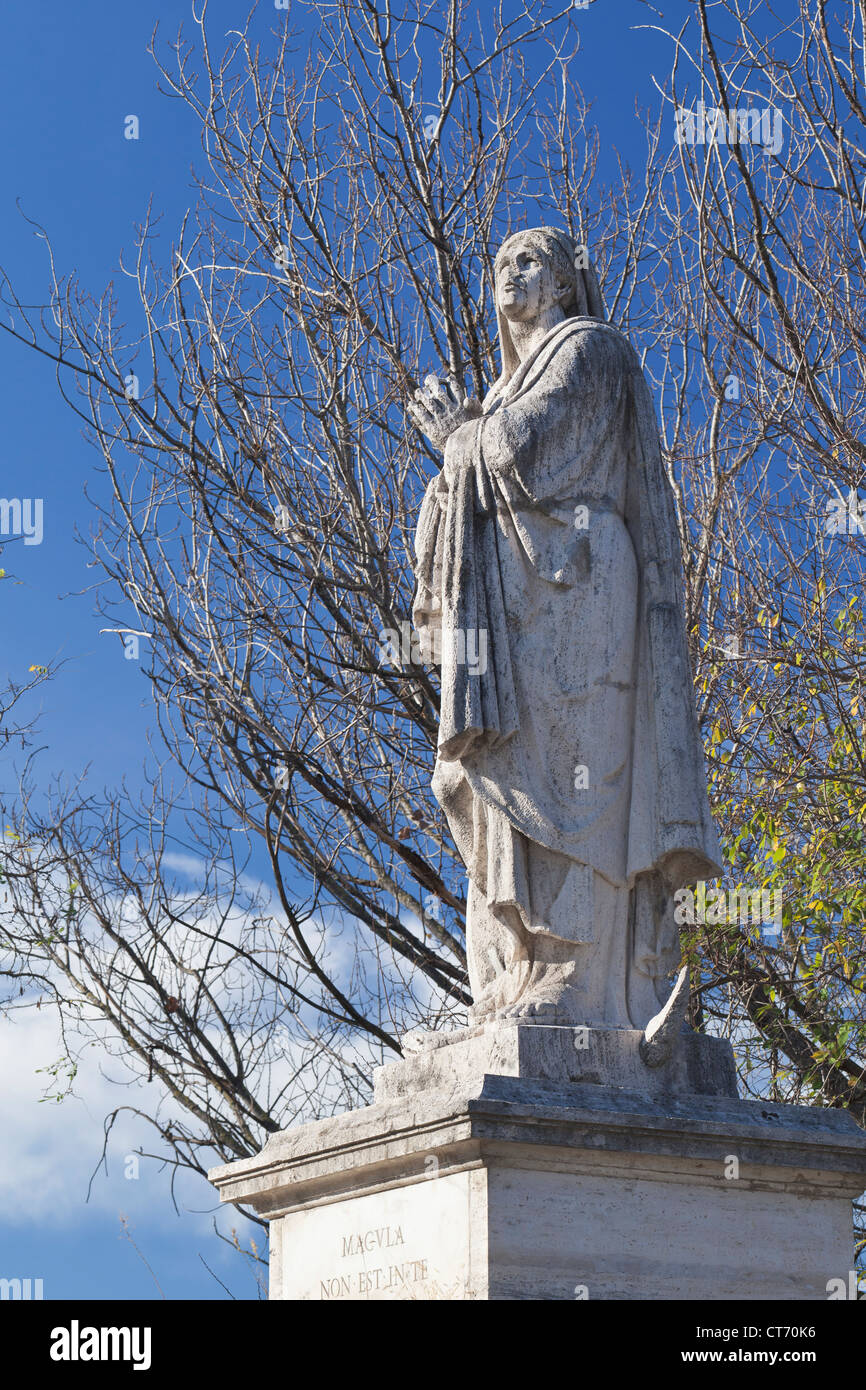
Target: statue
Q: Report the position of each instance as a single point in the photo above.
(569, 763)
(573, 1110)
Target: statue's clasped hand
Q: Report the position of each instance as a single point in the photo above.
(438, 412)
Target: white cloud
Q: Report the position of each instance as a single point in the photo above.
(49, 1151)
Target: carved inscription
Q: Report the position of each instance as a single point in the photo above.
(389, 1276)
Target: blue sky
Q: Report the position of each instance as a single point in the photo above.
(70, 75)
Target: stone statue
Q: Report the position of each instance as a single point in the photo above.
(573, 1111)
(569, 763)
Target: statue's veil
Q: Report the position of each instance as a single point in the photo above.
(587, 301)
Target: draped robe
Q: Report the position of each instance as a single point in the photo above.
(551, 530)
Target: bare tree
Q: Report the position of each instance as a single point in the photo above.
(341, 247)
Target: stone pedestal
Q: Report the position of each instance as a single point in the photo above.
(506, 1164)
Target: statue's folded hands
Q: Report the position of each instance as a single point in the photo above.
(437, 410)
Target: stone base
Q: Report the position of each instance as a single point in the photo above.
(512, 1186)
(542, 1052)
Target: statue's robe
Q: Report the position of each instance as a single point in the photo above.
(551, 529)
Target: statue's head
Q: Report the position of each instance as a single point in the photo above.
(536, 270)
(534, 273)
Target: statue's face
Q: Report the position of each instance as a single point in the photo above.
(526, 285)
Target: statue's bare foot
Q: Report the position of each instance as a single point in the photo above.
(559, 1004)
(539, 1009)
(550, 997)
